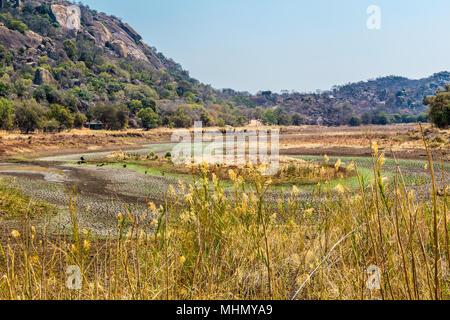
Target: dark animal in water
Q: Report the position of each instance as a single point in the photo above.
(124, 165)
(82, 159)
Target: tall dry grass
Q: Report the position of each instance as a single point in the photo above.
(204, 243)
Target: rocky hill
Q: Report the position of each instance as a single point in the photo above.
(60, 61)
(390, 95)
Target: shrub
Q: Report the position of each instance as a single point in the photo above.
(48, 93)
(6, 114)
(439, 112)
(17, 25)
(50, 126)
(135, 106)
(79, 120)
(5, 89)
(366, 118)
(298, 119)
(70, 46)
(114, 117)
(180, 119)
(270, 118)
(355, 121)
(29, 116)
(62, 115)
(149, 118)
(381, 118)
(14, 203)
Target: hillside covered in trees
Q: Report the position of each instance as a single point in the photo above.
(63, 64)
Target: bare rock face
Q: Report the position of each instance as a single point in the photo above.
(43, 76)
(68, 17)
(120, 47)
(131, 32)
(101, 33)
(33, 37)
(15, 40)
(126, 35)
(99, 28)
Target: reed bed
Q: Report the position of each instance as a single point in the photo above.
(204, 243)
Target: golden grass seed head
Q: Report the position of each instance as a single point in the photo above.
(340, 188)
(338, 164)
(15, 234)
(375, 148)
(86, 245)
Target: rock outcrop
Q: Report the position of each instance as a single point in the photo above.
(103, 29)
(100, 33)
(68, 17)
(16, 40)
(43, 76)
(131, 32)
(80, 22)
(120, 48)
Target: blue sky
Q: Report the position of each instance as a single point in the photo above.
(252, 45)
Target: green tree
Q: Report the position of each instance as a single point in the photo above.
(270, 117)
(29, 116)
(21, 86)
(149, 118)
(439, 112)
(355, 121)
(62, 115)
(123, 115)
(381, 118)
(148, 102)
(366, 118)
(396, 118)
(5, 89)
(206, 119)
(259, 113)
(70, 46)
(79, 120)
(180, 119)
(6, 57)
(17, 25)
(50, 125)
(409, 119)
(6, 114)
(135, 106)
(113, 117)
(423, 117)
(283, 118)
(48, 93)
(221, 122)
(298, 119)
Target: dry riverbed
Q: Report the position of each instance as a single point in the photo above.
(50, 172)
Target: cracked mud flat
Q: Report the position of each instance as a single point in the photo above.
(101, 193)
